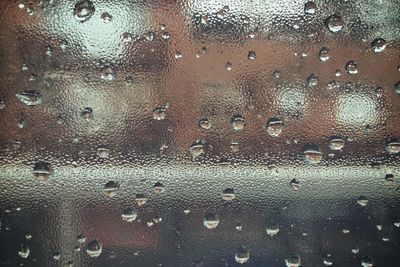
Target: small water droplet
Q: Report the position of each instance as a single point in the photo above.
(274, 127)
(293, 261)
(367, 262)
(210, 220)
(49, 51)
(310, 7)
(140, 199)
(379, 227)
(63, 44)
(110, 188)
(352, 67)
(178, 55)
(362, 201)
(205, 123)
(295, 184)
(127, 37)
(324, 54)
(103, 152)
(397, 224)
(328, 261)
(276, 74)
(397, 88)
(107, 73)
(83, 10)
(378, 45)
(251, 55)
(312, 80)
(238, 122)
(393, 147)
(42, 170)
(355, 250)
(239, 227)
(234, 146)
(56, 256)
(272, 230)
(24, 252)
(228, 194)
(94, 248)
(129, 215)
(81, 239)
(338, 73)
(312, 154)
(77, 248)
(2, 104)
(30, 97)
(105, 17)
(160, 114)
(228, 66)
(186, 211)
(165, 35)
(87, 114)
(243, 255)
(159, 188)
(196, 149)
(335, 23)
(28, 236)
(336, 143)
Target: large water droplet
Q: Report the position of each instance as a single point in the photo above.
(159, 188)
(129, 215)
(251, 55)
(228, 194)
(94, 248)
(107, 73)
(105, 17)
(87, 114)
(389, 178)
(205, 123)
(352, 67)
(83, 10)
(103, 152)
(312, 154)
(274, 127)
(243, 255)
(30, 97)
(140, 199)
(160, 114)
(336, 143)
(295, 184)
(312, 80)
(334, 23)
(24, 251)
(310, 7)
(238, 123)
(293, 261)
(110, 188)
(393, 147)
(272, 230)
(324, 54)
(42, 170)
(210, 220)
(228, 66)
(378, 45)
(196, 149)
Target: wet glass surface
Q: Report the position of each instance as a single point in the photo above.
(200, 133)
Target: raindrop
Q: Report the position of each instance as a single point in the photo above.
(272, 230)
(328, 261)
(228, 194)
(355, 250)
(42, 170)
(30, 97)
(21, 120)
(102, 152)
(228, 66)
(234, 146)
(310, 7)
(274, 127)
(389, 178)
(110, 188)
(243, 255)
(324, 54)
(295, 184)
(94, 248)
(251, 55)
(312, 80)
(397, 88)
(178, 55)
(312, 154)
(129, 215)
(83, 10)
(276, 74)
(159, 188)
(293, 261)
(334, 23)
(81, 238)
(63, 44)
(24, 252)
(2, 104)
(165, 35)
(107, 73)
(367, 262)
(127, 37)
(149, 36)
(160, 114)
(238, 123)
(393, 147)
(351, 67)
(205, 124)
(379, 227)
(196, 149)
(140, 199)
(87, 114)
(378, 45)
(362, 201)
(336, 143)
(105, 17)
(28, 236)
(210, 220)
(49, 51)
(397, 224)
(338, 73)
(56, 256)
(77, 248)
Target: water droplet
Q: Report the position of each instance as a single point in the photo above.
(110, 188)
(310, 7)
(312, 80)
(81, 238)
(205, 124)
(165, 35)
(336, 143)
(87, 114)
(149, 36)
(63, 44)
(312, 154)
(251, 55)
(397, 224)
(379, 227)
(234, 146)
(49, 51)
(127, 37)
(28, 236)
(103, 152)
(196, 149)
(83, 10)
(94, 248)
(77, 249)
(334, 23)
(178, 55)
(24, 251)
(30, 97)
(293, 261)
(107, 73)
(276, 74)
(159, 188)
(160, 114)
(210, 220)
(393, 147)
(129, 215)
(243, 255)
(389, 178)
(228, 194)
(346, 231)
(274, 127)
(397, 88)
(352, 67)
(140, 199)
(272, 230)
(21, 120)
(228, 66)
(338, 73)
(239, 227)
(105, 17)
(2, 104)
(378, 45)
(42, 170)
(328, 261)
(367, 262)
(238, 123)
(186, 211)
(362, 201)
(56, 256)
(355, 250)
(324, 54)
(295, 184)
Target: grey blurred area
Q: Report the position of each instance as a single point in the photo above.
(200, 133)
